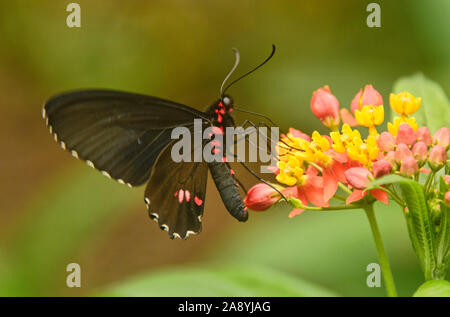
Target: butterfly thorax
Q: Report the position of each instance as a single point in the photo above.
(220, 113)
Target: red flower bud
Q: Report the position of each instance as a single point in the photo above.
(401, 152)
(370, 96)
(442, 137)
(447, 179)
(358, 177)
(437, 157)
(381, 168)
(406, 134)
(423, 134)
(260, 197)
(325, 106)
(447, 198)
(409, 167)
(390, 157)
(420, 152)
(386, 142)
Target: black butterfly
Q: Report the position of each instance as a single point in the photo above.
(127, 137)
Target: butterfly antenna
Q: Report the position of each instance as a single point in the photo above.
(249, 72)
(256, 114)
(236, 63)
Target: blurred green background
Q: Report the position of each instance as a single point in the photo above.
(54, 210)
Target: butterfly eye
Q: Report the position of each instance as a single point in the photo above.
(227, 101)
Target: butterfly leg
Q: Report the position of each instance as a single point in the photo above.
(247, 123)
(269, 140)
(259, 178)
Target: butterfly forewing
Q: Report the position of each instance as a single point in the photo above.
(119, 133)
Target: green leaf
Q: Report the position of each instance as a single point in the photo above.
(434, 111)
(420, 226)
(221, 281)
(388, 179)
(435, 288)
(443, 243)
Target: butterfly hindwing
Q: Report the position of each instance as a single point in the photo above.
(175, 194)
(118, 133)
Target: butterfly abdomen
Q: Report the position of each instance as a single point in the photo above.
(228, 189)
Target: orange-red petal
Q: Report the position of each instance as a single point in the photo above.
(381, 195)
(348, 118)
(295, 212)
(356, 195)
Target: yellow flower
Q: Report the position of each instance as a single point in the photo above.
(342, 141)
(319, 143)
(372, 147)
(291, 171)
(404, 103)
(393, 128)
(304, 150)
(370, 116)
(363, 151)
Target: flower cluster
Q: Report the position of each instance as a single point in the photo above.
(341, 165)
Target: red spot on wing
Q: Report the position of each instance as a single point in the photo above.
(198, 201)
(180, 196)
(232, 172)
(187, 194)
(219, 118)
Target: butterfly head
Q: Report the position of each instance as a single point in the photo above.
(227, 102)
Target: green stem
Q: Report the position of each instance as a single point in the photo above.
(394, 190)
(344, 188)
(384, 262)
(429, 181)
(296, 203)
(339, 197)
(341, 207)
